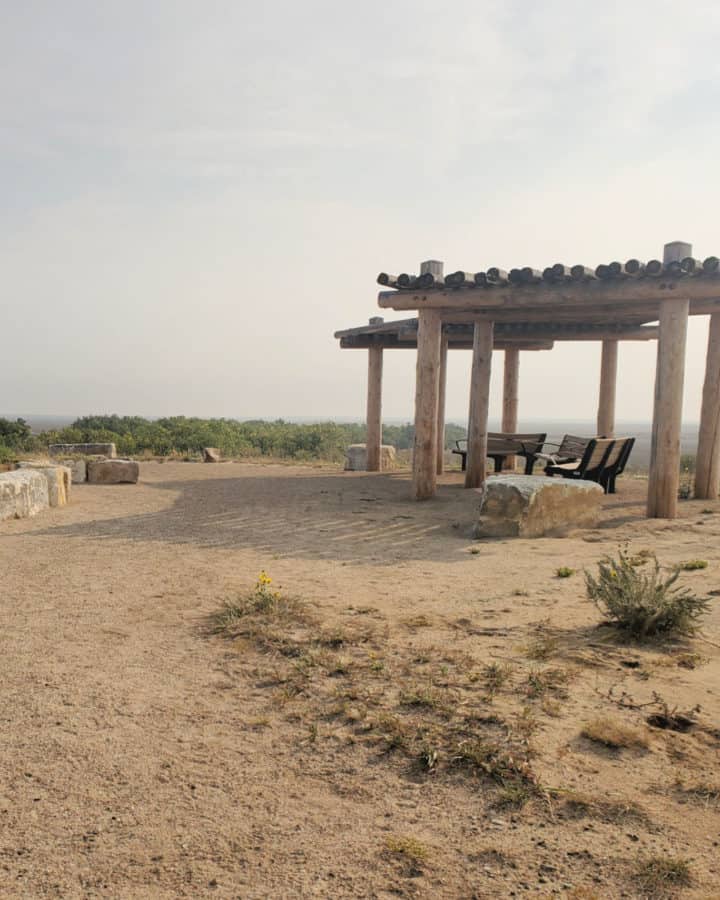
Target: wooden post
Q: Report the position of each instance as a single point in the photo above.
(664, 479)
(479, 404)
(608, 381)
(707, 464)
(511, 376)
(427, 378)
(373, 440)
(441, 405)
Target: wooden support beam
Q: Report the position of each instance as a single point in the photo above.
(511, 377)
(608, 382)
(427, 379)
(442, 386)
(373, 440)
(707, 463)
(566, 294)
(664, 479)
(479, 404)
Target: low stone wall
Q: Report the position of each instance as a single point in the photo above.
(83, 450)
(535, 505)
(23, 493)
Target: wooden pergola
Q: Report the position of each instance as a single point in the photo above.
(526, 309)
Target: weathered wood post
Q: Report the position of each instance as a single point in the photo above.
(707, 463)
(427, 378)
(608, 382)
(479, 404)
(427, 394)
(511, 377)
(442, 386)
(664, 479)
(373, 439)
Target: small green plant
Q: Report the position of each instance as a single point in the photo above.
(408, 847)
(691, 564)
(564, 572)
(644, 604)
(261, 603)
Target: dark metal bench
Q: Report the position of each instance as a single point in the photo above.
(501, 446)
(591, 467)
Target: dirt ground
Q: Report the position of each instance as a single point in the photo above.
(143, 756)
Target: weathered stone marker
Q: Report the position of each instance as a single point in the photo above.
(531, 506)
(356, 457)
(112, 471)
(23, 493)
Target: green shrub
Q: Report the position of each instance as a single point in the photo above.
(564, 572)
(644, 604)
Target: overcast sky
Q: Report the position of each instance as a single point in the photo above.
(196, 194)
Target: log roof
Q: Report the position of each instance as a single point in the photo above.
(623, 293)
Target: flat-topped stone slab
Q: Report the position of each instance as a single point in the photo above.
(107, 449)
(23, 493)
(59, 480)
(356, 457)
(535, 505)
(112, 471)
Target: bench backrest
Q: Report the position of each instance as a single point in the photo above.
(619, 454)
(596, 454)
(499, 442)
(573, 447)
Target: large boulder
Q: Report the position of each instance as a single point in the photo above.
(112, 471)
(211, 455)
(23, 493)
(59, 480)
(83, 450)
(535, 505)
(356, 457)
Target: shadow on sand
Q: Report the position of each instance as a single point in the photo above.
(317, 516)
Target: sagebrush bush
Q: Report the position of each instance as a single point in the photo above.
(644, 603)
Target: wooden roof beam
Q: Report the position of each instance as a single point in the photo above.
(566, 294)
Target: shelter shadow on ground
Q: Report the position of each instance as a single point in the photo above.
(320, 516)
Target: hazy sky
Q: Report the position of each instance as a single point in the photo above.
(196, 194)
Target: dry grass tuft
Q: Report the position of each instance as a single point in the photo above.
(661, 876)
(613, 734)
(575, 805)
(701, 793)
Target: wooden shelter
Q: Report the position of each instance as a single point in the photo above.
(527, 309)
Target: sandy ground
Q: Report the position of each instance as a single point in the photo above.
(142, 757)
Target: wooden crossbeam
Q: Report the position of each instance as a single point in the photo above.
(566, 294)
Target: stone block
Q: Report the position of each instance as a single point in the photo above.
(356, 457)
(59, 479)
(78, 468)
(83, 450)
(23, 493)
(112, 471)
(211, 455)
(535, 505)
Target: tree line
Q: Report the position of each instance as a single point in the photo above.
(181, 435)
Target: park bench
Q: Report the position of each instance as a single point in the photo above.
(616, 462)
(590, 467)
(501, 446)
